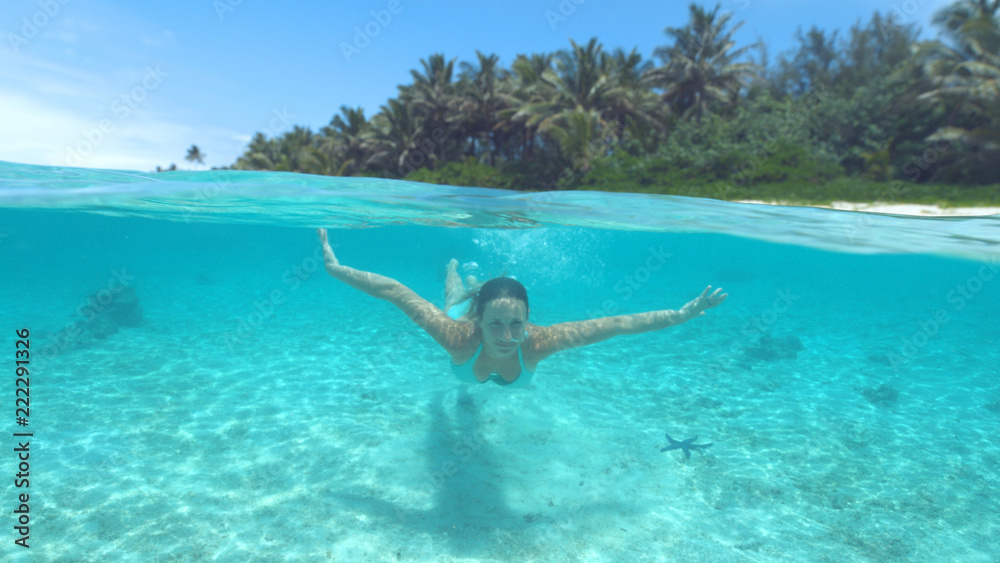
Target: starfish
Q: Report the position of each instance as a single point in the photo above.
(686, 445)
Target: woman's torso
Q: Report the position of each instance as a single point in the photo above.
(508, 368)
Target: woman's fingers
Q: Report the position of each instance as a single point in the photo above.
(712, 299)
(718, 297)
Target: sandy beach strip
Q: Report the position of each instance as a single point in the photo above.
(900, 208)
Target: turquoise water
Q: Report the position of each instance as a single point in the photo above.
(260, 410)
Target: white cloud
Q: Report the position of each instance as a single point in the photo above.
(111, 106)
(55, 115)
(33, 131)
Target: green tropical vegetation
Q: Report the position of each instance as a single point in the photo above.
(870, 115)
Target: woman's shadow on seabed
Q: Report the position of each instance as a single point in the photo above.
(466, 476)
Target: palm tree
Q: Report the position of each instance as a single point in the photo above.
(967, 77)
(348, 138)
(294, 153)
(397, 138)
(526, 88)
(261, 154)
(974, 86)
(194, 154)
(582, 99)
(971, 19)
(571, 100)
(589, 99)
(484, 94)
(432, 93)
(700, 69)
(431, 101)
(633, 103)
(576, 83)
(580, 135)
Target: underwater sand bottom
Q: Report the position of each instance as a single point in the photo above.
(298, 445)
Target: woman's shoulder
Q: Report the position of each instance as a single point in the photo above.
(465, 344)
(544, 341)
(539, 336)
(464, 340)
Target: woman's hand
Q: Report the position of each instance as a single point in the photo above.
(329, 258)
(696, 307)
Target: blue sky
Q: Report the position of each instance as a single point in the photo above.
(131, 85)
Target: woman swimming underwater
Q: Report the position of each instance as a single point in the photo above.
(494, 341)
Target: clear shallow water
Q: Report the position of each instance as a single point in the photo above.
(262, 410)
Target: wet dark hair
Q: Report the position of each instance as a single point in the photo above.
(497, 288)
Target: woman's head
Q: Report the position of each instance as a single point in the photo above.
(500, 308)
(498, 288)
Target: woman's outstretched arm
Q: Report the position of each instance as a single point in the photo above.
(375, 285)
(562, 336)
(447, 332)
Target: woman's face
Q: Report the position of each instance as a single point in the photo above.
(504, 321)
